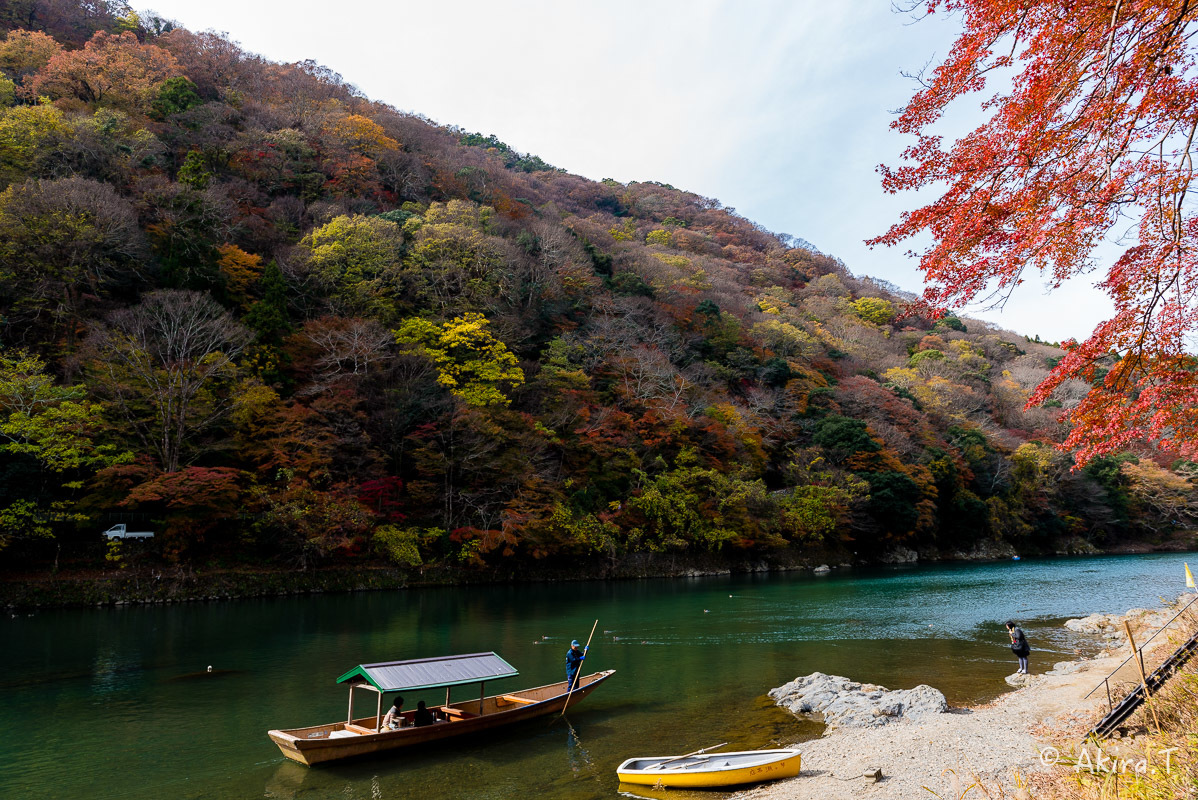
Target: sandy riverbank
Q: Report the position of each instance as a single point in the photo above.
(994, 742)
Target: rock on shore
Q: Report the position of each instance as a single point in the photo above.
(848, 704)
(1110, 626)
(1108, 623)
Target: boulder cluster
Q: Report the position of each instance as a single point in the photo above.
(847, 704)
(1110, 626)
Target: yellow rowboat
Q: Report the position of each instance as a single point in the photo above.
(712, 769)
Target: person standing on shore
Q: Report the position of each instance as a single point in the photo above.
(574, 657)
(1019, 646)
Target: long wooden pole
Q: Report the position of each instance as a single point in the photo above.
(1143, 678)
(577, 675)
(688, 755)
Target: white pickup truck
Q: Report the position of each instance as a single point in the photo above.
(119, 532)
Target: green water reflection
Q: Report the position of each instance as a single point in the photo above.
(118, 703)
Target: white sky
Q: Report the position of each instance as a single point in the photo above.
(778, 109)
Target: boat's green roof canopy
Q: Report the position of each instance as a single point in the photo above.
(430, 673)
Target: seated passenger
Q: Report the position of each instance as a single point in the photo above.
(423, 715)
(394, 720)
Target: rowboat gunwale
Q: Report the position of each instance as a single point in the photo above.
(296, 745)
(710, 775)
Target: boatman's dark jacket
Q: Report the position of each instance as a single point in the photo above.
(573, 660)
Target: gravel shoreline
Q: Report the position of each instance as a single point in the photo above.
(998, 742)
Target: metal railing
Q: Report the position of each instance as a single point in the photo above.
(1139, 652)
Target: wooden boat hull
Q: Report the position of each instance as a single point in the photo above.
(718, 769)
(335, 741)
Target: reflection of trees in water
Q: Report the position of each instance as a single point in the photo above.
(112, 672)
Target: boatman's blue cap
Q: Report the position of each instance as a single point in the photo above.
(574, 643)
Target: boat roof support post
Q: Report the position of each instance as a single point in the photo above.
(482, 692)
(378, 717)
(353, 686)
(447, 688)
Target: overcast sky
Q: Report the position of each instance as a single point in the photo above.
(778, 109)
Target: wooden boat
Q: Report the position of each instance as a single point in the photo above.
(365, 735)
(712, 769)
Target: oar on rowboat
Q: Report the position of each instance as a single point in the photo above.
(688, 755)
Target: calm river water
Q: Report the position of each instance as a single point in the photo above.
(117, 703)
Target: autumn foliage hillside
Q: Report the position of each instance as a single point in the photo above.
(281, 323)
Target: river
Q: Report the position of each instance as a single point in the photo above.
(118, 702)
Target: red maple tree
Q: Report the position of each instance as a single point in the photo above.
(1090, 137)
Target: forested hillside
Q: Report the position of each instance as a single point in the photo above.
(284, 324)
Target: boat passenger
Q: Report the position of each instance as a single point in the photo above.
(574, 657)
(423, 715)
(394, 719)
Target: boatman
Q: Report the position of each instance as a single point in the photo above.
(574, 657)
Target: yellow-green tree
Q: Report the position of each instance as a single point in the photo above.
(46, 430)
(658, 237)
(471, 362)
(820, 501)
(358, 260)
(25, 134)
(455, 263)
(874, 310)
(694, 506)
(402, 546)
